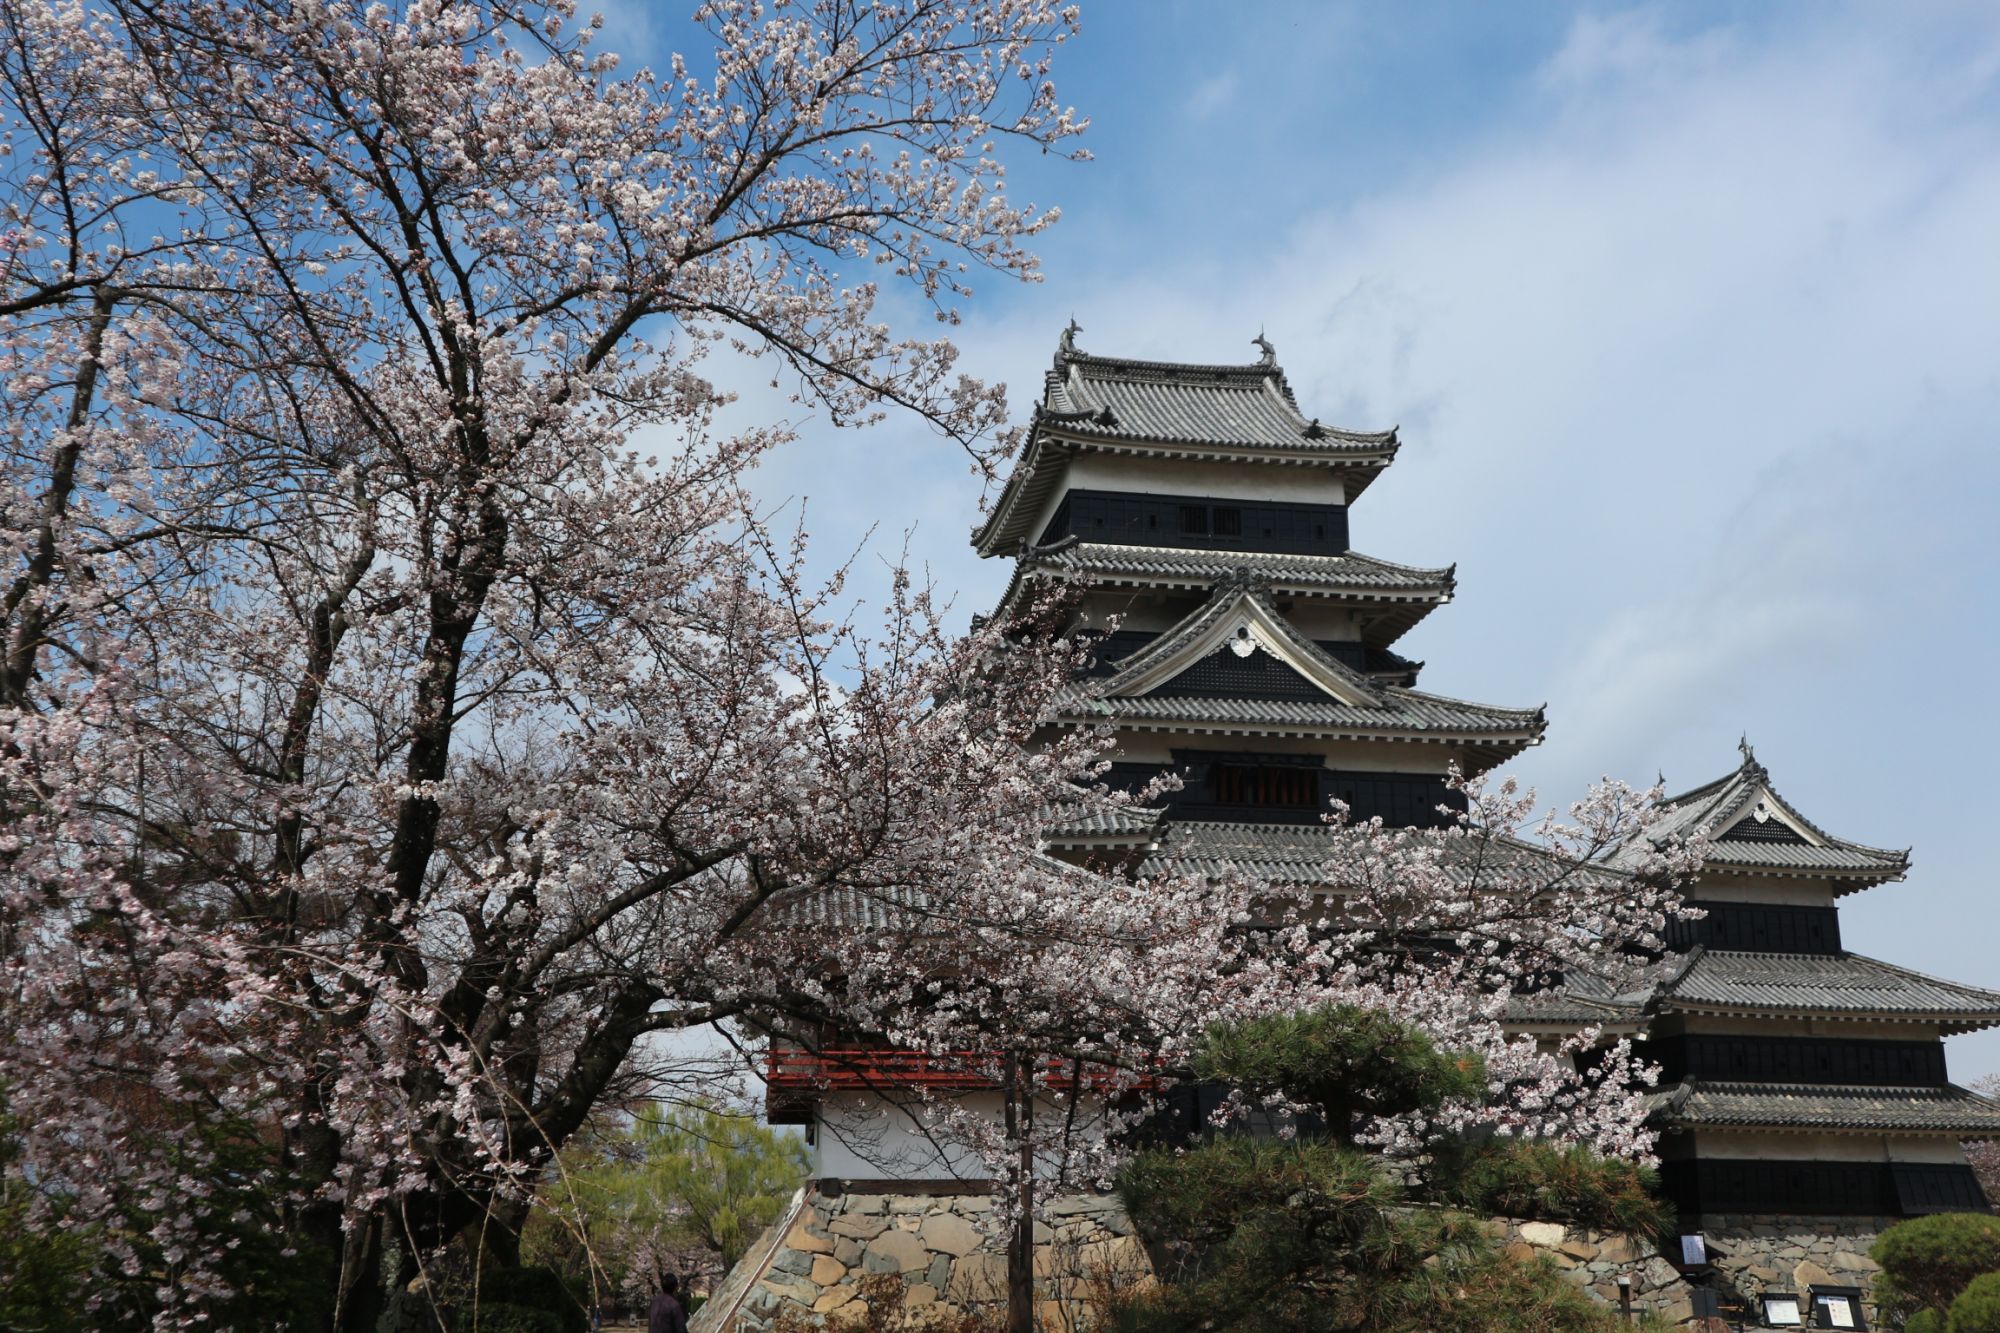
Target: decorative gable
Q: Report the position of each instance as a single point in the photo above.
(1224, 674)
(1239, 647)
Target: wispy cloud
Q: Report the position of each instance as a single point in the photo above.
(1212, 94)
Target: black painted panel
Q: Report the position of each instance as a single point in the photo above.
(1136, 518)
(1821, 1060)
(1224, 675)
(1837, 1189)
(1758, 928)
(1403, 800)
(1753, 829)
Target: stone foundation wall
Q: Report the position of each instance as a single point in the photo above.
(1595, 1261)
(945, 1248)
(1757, 1253)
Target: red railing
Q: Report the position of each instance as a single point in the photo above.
(794, 1069)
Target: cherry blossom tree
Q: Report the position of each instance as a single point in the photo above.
(389, 746)
(1470, 933)
(391, 743)
(1984, 1154)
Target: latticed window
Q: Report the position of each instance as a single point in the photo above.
(1243, 784)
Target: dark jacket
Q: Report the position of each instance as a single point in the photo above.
(666, 1316)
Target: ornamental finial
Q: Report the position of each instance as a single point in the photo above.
(1749, 755)
(1270, 357)
(1069, 336)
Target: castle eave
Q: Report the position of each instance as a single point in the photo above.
(1817, 1109)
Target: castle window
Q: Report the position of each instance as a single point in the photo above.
(1228, 521)
(1194, 520)
(1288, 787)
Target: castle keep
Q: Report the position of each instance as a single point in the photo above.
(1202, 517)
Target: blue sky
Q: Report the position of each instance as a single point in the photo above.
(1690, 317)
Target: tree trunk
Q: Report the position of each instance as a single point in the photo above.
(1021, 1244)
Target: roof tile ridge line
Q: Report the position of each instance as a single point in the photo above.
(1539, 711)
(1703, 789)
(1828, 1089)
(1975, 1095)
(1448, 573)
(1364, 684)
(1900, 970)
(1280, 388)
(1793, 810)
(1221, 599)
(1258, 369)
(1679, 974)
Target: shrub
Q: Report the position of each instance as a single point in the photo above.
(502, 1317)
(1929, 1260)
(1977, 1309)
(515, 1294)
(1518, 1178)
(1924, 1321)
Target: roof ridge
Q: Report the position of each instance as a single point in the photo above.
(1846, 843)
(1404, 691)
(1741, 777)
(1446, 572)
(1900, 970)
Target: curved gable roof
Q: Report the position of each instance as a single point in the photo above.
(1736, 807)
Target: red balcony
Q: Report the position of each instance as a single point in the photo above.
(795, 1076)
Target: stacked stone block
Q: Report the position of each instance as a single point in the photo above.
(946, 1248)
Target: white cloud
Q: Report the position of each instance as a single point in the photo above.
(1695, 346)
(1212, 94)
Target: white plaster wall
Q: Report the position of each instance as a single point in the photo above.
(860, 1136)
(1827, 1147)
(1286, 483)
(1754, 889)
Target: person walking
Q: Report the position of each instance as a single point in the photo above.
(666, 1314)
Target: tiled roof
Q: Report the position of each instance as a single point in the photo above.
(1108, 404)
(1281, 853)
(1134, 825)
(1245, 407)
(1398, 596)
(894, 907)
(1838, 985)
(1297, 854)
(1725, 805)
(1351, 575)
(1949, 1109)
(1404, 714)
(1565, 1009)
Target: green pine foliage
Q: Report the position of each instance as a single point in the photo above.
(1977, 1309)
(1927, 1261)
(1313, 1235)
(1556, 1182)
(1346, 1062)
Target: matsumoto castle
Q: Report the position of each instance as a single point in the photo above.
(1207, 515)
